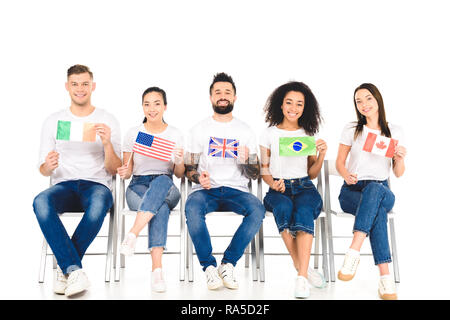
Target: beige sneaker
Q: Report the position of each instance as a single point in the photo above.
(77, 282)
(60, 283)
(226, 272)
(387, 289)
(213, 281)
(349, 267)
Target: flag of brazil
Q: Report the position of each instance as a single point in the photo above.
(297, 146)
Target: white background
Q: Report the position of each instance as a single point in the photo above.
(333, 46)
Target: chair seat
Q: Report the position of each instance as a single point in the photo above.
(128, 212)
(270, 214)
(349, 215)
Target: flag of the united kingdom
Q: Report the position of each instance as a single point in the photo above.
(223, 148)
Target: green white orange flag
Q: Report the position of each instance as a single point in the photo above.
(297, 146)
(75, 131)
(380, 145)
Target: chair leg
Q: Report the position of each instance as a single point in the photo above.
(254, 259)
(118, 257)
(324, 250)
(122, 257)
(108, 263)
(262, 277)
(329, 230)
(394, 250)
(43, 261)
(182, 249)
(316, 243)
(55, 264)
(246, 254)
(190, 259)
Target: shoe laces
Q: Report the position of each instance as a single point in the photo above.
(211, 275)
(60, 276)
(350, 263)
(387, 285)
(228, 271)
(73, 277)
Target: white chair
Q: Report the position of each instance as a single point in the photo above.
(320, 233)
(111, 240)
(190, 248)
(176, 213)
(330, 170)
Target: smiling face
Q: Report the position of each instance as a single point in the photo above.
(293, 106)
(153, 107)
(366, 103)
(222, 97)
(80, 87)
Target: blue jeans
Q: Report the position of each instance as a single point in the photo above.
(156, 194)
(93, 198)
(201, 202)
(370, 201)
(296, 208)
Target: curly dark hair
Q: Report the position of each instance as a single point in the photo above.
(310, 119)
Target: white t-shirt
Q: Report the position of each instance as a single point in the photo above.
(283, 167)
(223, 171)
(79, 160)
(367, 165)
(144, 165)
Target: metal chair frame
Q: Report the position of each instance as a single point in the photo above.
(320, 236)
(190, 250)
(330, 169)
(111, 244)
(123, 211)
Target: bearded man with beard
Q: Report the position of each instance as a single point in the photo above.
(221, 158)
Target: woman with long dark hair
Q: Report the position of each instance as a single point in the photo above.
(151, 191)
(293, 115)
(365, 192)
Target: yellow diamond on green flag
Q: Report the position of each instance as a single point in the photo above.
(297, 146)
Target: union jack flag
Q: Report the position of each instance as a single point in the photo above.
(223, 148)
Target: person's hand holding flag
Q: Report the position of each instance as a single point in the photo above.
(50, 164)
(204, 180)
(243, 154)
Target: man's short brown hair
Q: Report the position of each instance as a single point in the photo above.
(77, 69)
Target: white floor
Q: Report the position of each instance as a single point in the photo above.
(279, 282)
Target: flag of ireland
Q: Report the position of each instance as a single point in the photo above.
(75, 131)
(297, 146)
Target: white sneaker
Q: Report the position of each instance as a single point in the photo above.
(301, 287)
(226, 272)
(76, 282)
(387, 289)
(213, 280)
(349, 267)
(158, 283)
(60, 283)
(128, 245)
(316, 279)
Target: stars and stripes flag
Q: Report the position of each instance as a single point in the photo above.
(153, 147)
(223, 148)
(380, 145)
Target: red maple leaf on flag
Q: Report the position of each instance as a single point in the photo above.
(381, 145)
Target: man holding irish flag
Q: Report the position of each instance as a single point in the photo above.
(79, 151)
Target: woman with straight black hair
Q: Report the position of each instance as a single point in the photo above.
(151, 191)
(290, 157)
(374, 146)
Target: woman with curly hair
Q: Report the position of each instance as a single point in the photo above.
(292, 112)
